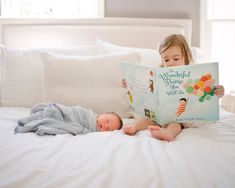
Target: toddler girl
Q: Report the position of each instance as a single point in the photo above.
(174, 51)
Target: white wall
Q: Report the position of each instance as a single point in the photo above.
(182, 9)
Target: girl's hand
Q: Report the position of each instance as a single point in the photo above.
(123, 83)
(219, 90)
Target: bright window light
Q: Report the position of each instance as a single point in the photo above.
(221, 9)
(52, 8)
(222, 17)
(223, 48)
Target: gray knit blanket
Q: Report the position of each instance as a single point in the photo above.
(52, 119)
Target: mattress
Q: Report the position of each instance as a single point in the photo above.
(199, 157)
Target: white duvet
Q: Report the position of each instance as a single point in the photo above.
(201, 157)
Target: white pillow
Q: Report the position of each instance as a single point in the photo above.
(22, 73)
(92, 82)
(197, 55)
(149, 57)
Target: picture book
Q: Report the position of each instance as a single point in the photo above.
(173, 94)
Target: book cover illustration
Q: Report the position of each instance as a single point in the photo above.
(169, 94)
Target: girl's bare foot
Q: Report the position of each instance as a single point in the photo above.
(160, 133)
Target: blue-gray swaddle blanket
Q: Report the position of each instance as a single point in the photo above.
(51, 119)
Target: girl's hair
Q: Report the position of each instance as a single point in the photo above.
(177, 40)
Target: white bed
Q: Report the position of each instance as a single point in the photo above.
(201, 157)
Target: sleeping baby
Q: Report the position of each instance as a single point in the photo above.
(52, 119)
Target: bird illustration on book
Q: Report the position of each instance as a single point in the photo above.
(151, 82)
(151, 85)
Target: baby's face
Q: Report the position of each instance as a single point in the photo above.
(182, 101)
(172, 57)
(107, 122)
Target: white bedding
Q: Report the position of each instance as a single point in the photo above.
(199, 157)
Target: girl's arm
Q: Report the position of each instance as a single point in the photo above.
(139, 125)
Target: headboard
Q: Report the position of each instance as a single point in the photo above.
(134, 32)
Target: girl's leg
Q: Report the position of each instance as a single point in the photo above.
(169, 133)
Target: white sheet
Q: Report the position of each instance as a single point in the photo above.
(199, 157)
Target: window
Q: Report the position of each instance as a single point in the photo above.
(218, 9)
(52, 8)
(220, 17)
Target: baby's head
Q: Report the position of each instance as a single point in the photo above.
(183, 100)
(108, 122)
(175, 48)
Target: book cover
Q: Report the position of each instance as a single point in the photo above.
(173, 94)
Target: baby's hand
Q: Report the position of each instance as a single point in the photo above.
(219, 91)
(129, 129)
(123, 83)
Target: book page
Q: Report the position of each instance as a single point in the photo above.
(140, 91)
(187, 93)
